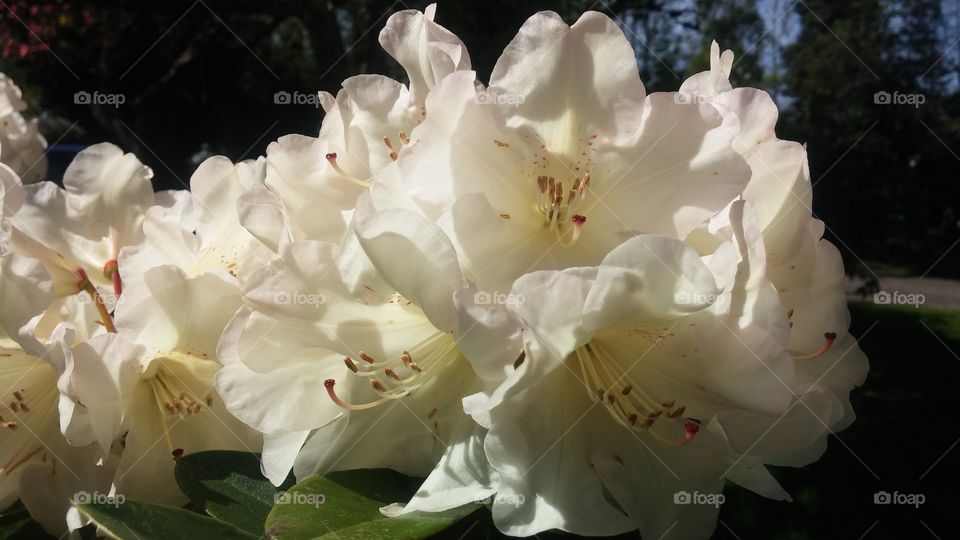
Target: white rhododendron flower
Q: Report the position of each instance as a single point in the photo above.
(562, 156)
(38, 466)
(312, 183)
(551, 290)
(22, 147)
(381, 339)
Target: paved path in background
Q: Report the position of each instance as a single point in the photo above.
(936, 292)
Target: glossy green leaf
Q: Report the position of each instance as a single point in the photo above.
(229, 486)
(134, 520)
(346, 506)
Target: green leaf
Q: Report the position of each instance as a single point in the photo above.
(346, 506)
(134, 520)
(229, 486)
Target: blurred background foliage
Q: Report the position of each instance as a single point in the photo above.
(199, 79)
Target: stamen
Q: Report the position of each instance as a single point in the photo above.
(329, 384)
(393, 153)
(404, 138)
(828, 340)
(350, 364)
(406, 359)
(367, 358)
(84, 284)
(332, 159)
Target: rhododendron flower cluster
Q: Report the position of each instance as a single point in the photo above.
(550, 289)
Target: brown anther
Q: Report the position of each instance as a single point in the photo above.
(209, 401)
(611, 399)
(391, 373)
(404, 138)
(405, 358)
(542, 183)
(10, 425)
(18, 395)
(501, 143)
(505, 216)
(632, 418)
(24, 407)
(600, 394)
(432, 413)
(378, 386)
(350, 364)
(647, 423)
(790, 313)
(677, 413)
(626, 389)
(415, 367)
(14, 406)
(669, 404)
(168, 407)
(177, 453)
(655, 413)
(519, 361)
(367, 358)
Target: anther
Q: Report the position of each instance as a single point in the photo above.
(367, 358)
(391, 373)
(350, 364)
(405, 358)
(393, 153)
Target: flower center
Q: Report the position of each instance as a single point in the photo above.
(182, 387)
(627, 401)
(400, 376)
(28, 409)
(558, 207)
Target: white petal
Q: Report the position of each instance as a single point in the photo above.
(416, 258)
(427, 51)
